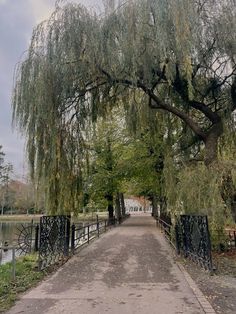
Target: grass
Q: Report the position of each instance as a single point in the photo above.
(19, 217)
(27, 276)
(89, 216)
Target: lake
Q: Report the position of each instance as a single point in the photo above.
(9, 231)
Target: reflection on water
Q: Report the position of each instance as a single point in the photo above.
(9, 233)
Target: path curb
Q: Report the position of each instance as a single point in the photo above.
(205, 304)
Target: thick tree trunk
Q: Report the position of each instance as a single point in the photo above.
(211, 143)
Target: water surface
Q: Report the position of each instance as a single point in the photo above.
(9, 232)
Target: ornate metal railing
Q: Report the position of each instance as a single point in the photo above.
(190, 237)
(54, 239)
(193, 239)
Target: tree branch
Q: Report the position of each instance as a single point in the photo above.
(159, 104)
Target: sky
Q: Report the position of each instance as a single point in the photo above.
(17, 20)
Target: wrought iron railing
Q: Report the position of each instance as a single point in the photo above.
(81, 235)
(168, 231)
(190, 237)
(193, 239)
(55, 239)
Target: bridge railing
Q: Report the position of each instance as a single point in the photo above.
(81, 235)
(84, 234)
(167, 229)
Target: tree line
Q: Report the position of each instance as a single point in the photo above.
(16, 197)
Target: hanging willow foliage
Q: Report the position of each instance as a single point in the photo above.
(196, 190)
(79, 64)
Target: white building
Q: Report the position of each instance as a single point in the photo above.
(135, 206)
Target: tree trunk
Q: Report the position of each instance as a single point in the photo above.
(118, 207)
(154, 205)
(233, 208)
(122, 201)
(110, 208)
(211, 143)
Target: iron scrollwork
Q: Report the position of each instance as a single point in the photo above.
(26, 238)
(193, 239)
(54, 239)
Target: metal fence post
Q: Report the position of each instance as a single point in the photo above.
(105, 225)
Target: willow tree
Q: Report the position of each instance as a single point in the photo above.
(179, 55)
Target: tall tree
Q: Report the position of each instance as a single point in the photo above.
(179, 56)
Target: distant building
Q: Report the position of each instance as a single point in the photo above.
(137, 205)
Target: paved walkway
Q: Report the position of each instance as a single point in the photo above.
(130, 269)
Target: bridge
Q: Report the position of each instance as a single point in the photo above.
(130, 269)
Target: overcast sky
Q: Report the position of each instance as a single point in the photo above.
(17, 19)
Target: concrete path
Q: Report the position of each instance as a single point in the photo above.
(130, 269)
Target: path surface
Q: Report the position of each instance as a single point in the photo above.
(130, 269)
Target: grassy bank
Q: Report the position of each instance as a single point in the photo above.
(27, 276)
(19, 217)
